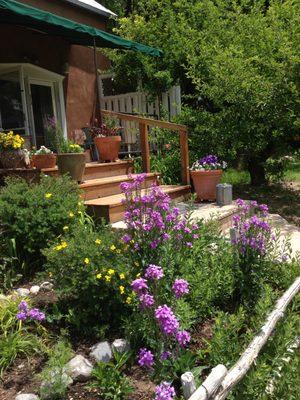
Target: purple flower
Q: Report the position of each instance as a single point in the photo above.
(240, 202)
(164, 392)
(167, 320)
(145, 358)
(36, 314)
(165, 355)
(146, 300)
(154, 244)
(21, 316)
(166, 236)
(126, 238)
(139, 285)
(23, 306)
(154, 272)
(183, 338)
(263, 208)
(189, 244)
(180, 287)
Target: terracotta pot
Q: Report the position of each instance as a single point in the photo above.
(72, 164)
(41, 161)
(205, 183)
(108, 147)
(11, 159)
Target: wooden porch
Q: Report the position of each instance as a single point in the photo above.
(101, 186)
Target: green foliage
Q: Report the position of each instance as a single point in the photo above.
(87, 268)
(110, 380)
(210, 272)
(36, 214)
(17, 338)
(68, 146)
(55, 375)
(10, 265)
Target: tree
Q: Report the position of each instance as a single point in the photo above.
(238, 63)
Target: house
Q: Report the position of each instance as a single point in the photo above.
(48, 60)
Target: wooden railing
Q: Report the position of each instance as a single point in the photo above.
(144, 124)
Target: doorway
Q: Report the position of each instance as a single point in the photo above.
(43, 109)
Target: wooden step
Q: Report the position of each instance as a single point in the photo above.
(111, 208)
(96, 170)
(103, 187)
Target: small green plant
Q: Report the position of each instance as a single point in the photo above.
(68, 146)
(11, 267)
(17, 338)
(36, 214)
(55, 378)
(109, 378)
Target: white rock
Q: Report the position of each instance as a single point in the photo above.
(101, 352)
(79, 368)
(120, 345)
(26, 397)
(23, 292)
(47, 286)
(34, 289)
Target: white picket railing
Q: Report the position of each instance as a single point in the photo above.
(139, 103)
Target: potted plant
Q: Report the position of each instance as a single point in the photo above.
(12, 152)
(206, 174)
(43, 158)
(71, 160)
(107, 139)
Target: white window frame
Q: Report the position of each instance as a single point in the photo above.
(32, 74)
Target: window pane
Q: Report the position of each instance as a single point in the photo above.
(11, 109)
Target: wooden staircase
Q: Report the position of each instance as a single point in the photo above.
(101, 188)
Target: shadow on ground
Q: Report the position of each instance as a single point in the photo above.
(281, 199)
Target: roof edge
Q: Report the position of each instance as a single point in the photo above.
(105, 13)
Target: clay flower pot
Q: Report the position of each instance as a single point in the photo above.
(108, 147)
(41, 161)
(72, 164)
(205, 183)
(12, 159)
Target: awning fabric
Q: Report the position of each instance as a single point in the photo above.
(13, 12)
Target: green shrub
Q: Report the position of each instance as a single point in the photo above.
(34, 215)
(91, 276)
(10, 266)
(55, 375)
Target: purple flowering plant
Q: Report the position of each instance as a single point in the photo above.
(208, 163)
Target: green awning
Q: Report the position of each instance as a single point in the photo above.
(13, 12)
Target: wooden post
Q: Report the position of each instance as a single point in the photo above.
(211, 384)
(184, 153)
(188, 384)
(145, 147)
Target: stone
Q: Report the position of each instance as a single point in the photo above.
(34, 289)
(46, 286)
(79, 368)
(23, 292)
(28, 396)
(120, 345)
(101, 352)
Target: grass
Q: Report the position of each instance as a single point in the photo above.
(293, 172)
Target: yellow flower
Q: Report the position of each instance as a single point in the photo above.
(50, 274)
(86, 261)
(64, 245)
(128, 300)
(131, 241)
(48, 195)
(58, 247)
(111, 272)
(65, 228)
(99, 276)
(136, 264)
(71, 215)
(107, 278)
(122, 289)
(113, 247)
(98, 241)
(138, 275)
(122, 276)
(118, 251)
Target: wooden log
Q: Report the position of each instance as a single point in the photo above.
(184, 153)
(145, 147)
(211, 383)
(188, 384)
(239, 370)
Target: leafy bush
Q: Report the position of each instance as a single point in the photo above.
(110, 380)
(91, 276)
(36, 214)
(55, 375)
(17, 338)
